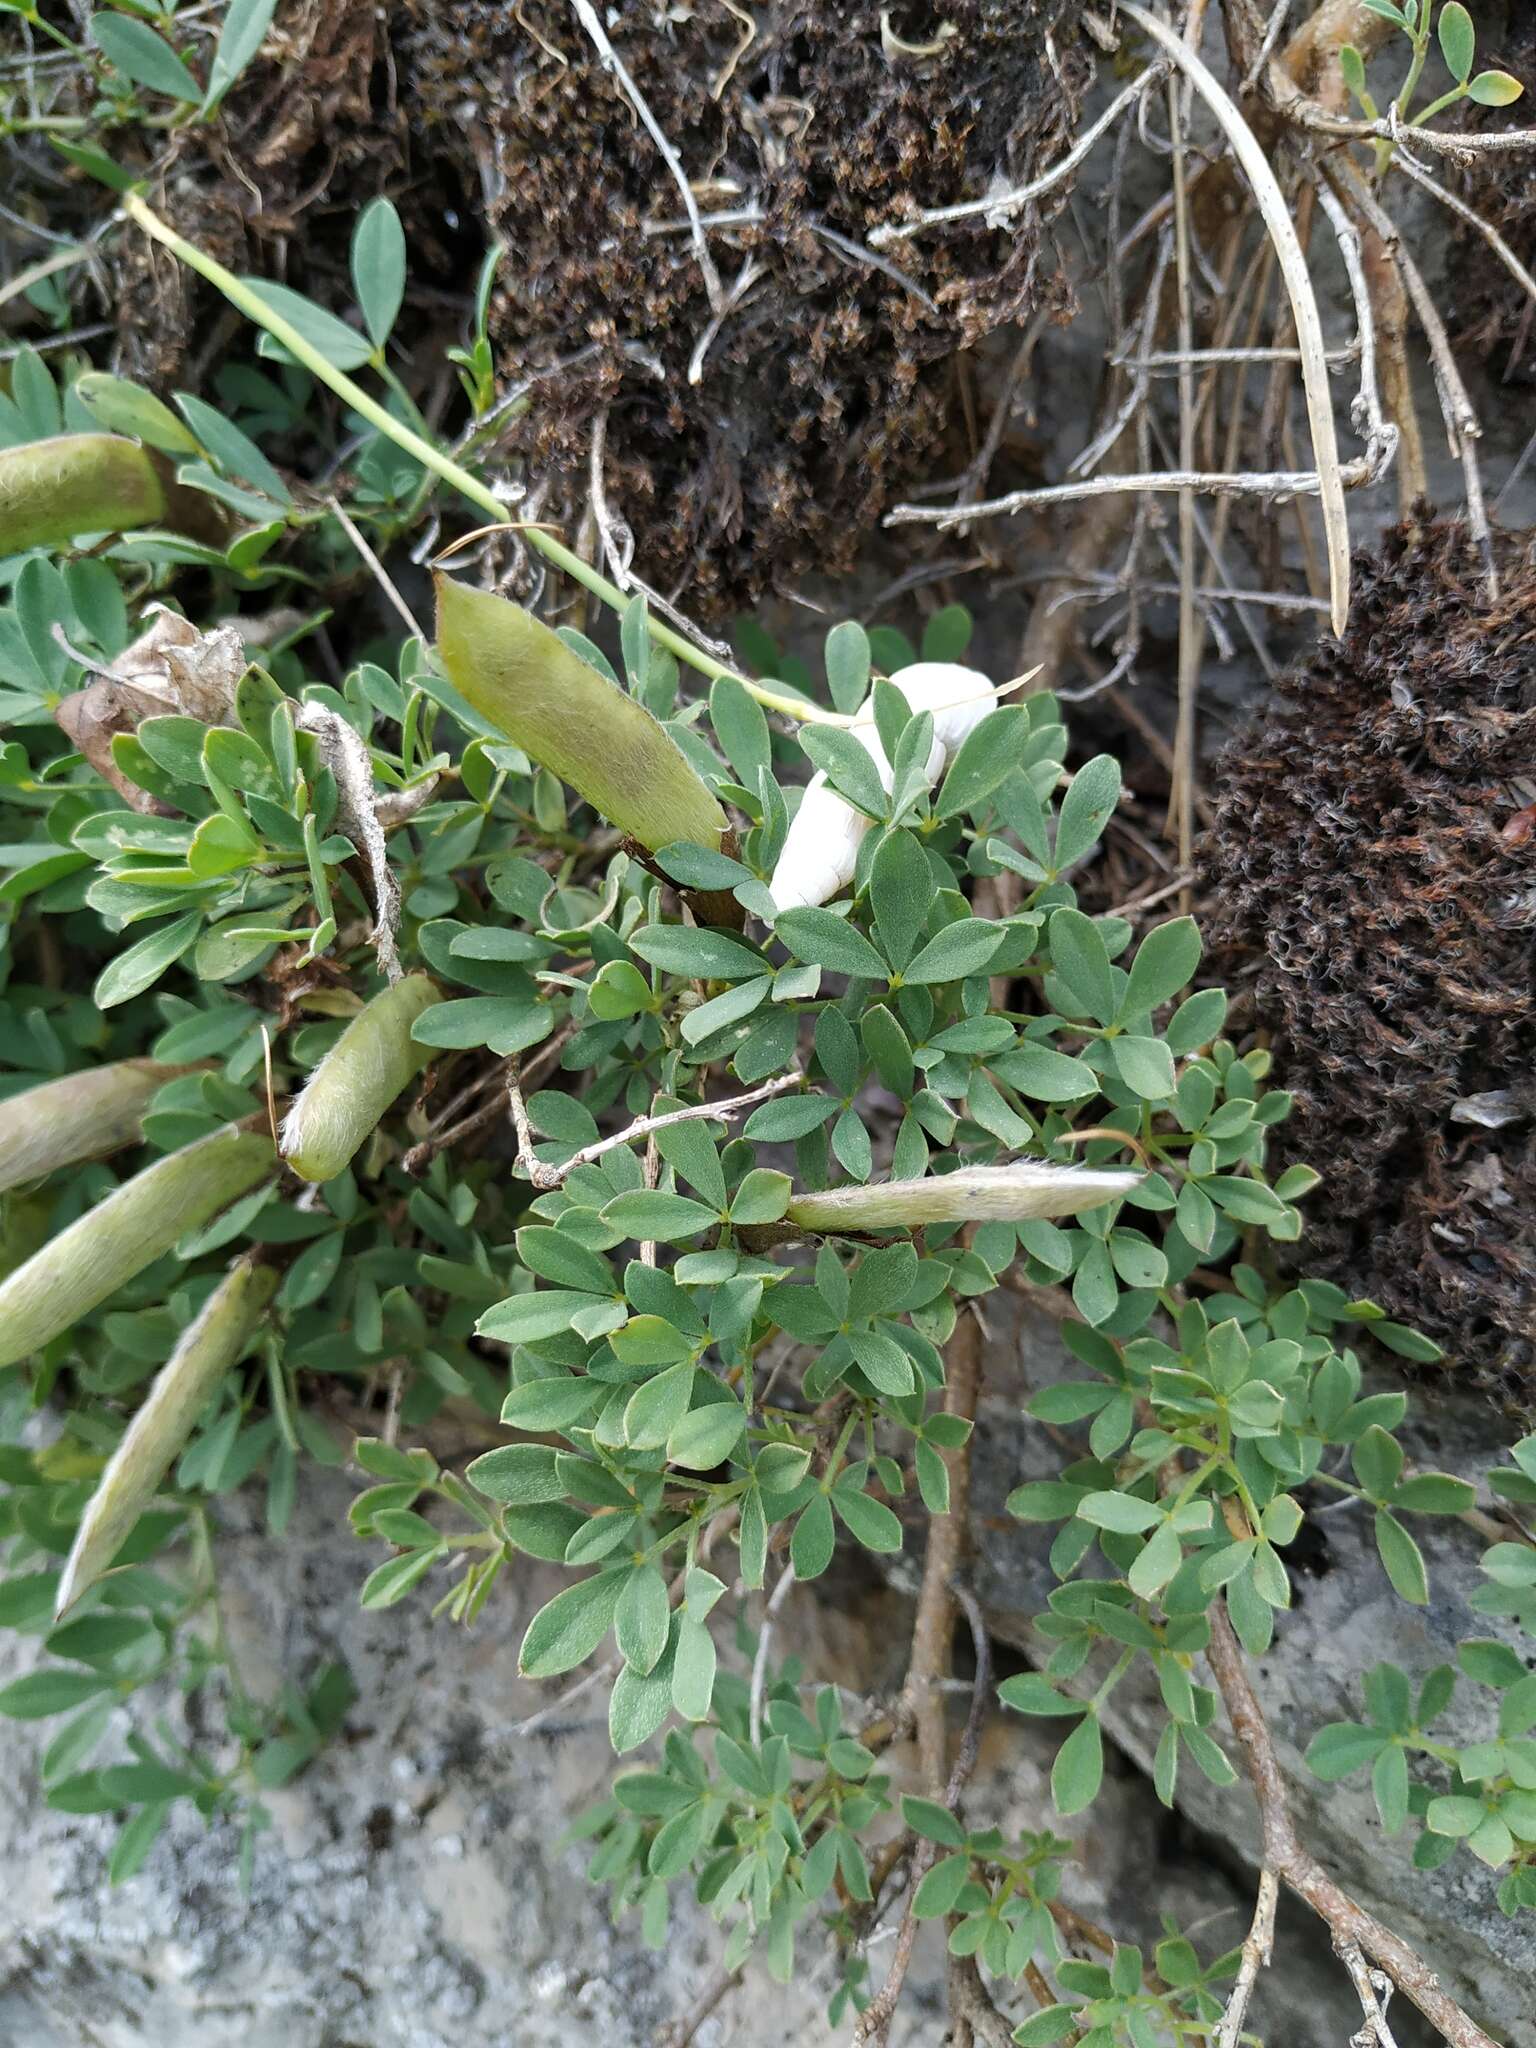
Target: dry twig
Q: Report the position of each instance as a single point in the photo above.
(1294, 1865)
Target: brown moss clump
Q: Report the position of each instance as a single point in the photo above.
(829, 379)
(1373, 852)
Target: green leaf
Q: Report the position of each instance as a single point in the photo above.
(901, 889)
(1079, 1768)
(505, 1024)
(378, 267)
(1044, 1075)
(520, 1475)
(1078, 955)
(700, 954)
(763, 1197)
(987, 756)
(693, 1670)
(1122, 1512)
(741, 729)
(143, 964)
(1342, 1748)
(848, 660)
(867, 1521)
(829, 941)
(637, 1706)
(133, 48)
(1085, 811)
(1458, 40)
(1402, 1558)
(961, 949)
(1029, 1693)
(847, 765)
(1165, 962)
(1145, 1065)
(814, 1539)
(342, 346)
(1495, 89)
(1435, 1493)
(933, 1822)
(1352, 68)
(937, 1893)
(135, 1840)
(245, 26)
(566, 1631)
(1489, 1662)
(650, 1213)
(120, 407)
(1159, 1559)
(1051, 2023)
(643, 1619)
(49, 1691)
(707, 1437)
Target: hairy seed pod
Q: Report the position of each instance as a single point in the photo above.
(80, 1116)
(972, 1194)
(52, 490)
(821, 850)
(205, 1351)
(344, 1098)
(526, 682)
(123, 1234)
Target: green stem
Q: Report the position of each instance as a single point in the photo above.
(255, 308)
(1446, 99)
(1122, 1664)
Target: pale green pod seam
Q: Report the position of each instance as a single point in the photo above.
(524, 680)
(80, 1116)
(182, 1388)
(124, 1233)
(347, 1094)
(973, 1194)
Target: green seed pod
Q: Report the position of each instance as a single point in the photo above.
(52, 490)
(123, 1234)
(526, 682)
(207, 1348)
(82, 1116)
(344, 1098)
(973, 1194)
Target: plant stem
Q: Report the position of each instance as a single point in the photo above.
(250, 303)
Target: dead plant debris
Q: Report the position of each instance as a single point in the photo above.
(826, 378)
(1367, 854)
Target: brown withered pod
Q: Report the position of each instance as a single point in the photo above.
(757, 410)
(1374, 866)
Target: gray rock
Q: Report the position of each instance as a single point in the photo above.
(414, 1893)
(1346, 1618)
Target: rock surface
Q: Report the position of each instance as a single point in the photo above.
(414, 1893)
(1346, 1618)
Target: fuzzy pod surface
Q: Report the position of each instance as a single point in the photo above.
(526, 682)
(344, 1098)
(205, 1351)
(972, 1194)
(80, 1116)
(70, 484)
(123, 1234)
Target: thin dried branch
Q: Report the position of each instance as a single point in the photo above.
(1373, 1988)
(682, 2031)
(546, 1177)
(776, 1600)
(1296, 1867)
(922, 1701)
(1298, 284)
(1462, 427)
(998, 205)
(1490, 234)
(1257, 1950)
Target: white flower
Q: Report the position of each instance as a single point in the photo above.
(821, 851)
